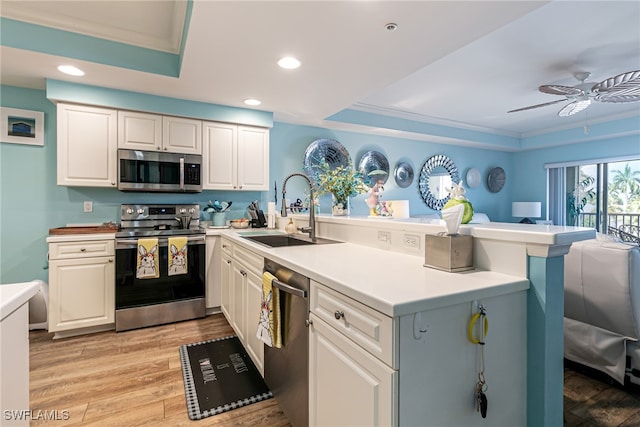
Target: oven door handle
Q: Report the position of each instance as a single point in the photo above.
(182, 173)
(162, 241)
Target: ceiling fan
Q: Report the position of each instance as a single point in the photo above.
(624, 87)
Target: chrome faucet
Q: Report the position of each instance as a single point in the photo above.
(311, 229)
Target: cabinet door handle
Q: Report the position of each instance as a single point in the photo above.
(244, 273)
(229, 261)
(339, 314)
(83, 250)
(110, 259)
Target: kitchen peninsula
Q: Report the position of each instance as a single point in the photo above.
(407, 354)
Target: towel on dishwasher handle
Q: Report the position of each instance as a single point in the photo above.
(147, 266)
(269, 328)
(177, 255)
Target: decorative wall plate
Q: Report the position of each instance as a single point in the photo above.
(329, 150)
(403, 174)
(496, 179)
(473, 178)
(372, 165)
(437, 173)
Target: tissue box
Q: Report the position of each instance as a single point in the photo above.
(448, 253)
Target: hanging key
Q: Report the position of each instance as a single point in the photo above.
(481, 397)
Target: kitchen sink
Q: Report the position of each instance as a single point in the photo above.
(280, 240)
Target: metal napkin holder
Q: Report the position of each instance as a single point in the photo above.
(452, 253)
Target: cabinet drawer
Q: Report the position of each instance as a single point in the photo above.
(86, 249)
(227, 247)
(367, 327)
(251, 260)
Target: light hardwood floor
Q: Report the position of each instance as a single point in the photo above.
(131, 378)
(134, 378)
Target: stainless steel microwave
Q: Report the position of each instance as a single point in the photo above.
(159, 172)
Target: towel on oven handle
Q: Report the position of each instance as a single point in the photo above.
(147, 266)
(177, 255)
(269, 328)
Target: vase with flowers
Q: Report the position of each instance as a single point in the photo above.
(342, 182)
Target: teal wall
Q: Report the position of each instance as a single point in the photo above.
(31, 203)
(530, 176)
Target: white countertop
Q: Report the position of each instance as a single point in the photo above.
(393, 283)
(14, 295)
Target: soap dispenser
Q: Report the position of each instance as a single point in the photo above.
(290, 228)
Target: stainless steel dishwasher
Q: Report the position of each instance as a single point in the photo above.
(286, 369)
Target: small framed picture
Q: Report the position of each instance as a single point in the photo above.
(21, 126)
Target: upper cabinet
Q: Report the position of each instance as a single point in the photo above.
(181, 135)
(87, 141)
(152, 132)
(139, 131)
(235, 157)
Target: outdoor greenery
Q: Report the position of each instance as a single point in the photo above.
(624, 191)
(583, 194)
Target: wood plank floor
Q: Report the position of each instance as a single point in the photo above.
(134, 378)
(131, 378)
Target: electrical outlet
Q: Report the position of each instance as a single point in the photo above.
(384, 236)
(411, 241)
(88, 206)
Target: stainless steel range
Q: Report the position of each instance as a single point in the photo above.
(160, 265)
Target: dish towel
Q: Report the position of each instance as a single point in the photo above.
(147, 267)
(177, 255)
(269, 328)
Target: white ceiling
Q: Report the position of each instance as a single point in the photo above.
(459, 63)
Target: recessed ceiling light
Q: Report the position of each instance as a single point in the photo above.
(289, 63)
(71, 70)
(252, 101)
(391, 26)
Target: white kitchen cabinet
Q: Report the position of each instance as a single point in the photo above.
(226, 276)
(153, 132)
(139, 131)
(349, 381)
(235, 157)
(213, 272)
(81, 285)
(244, 295)
(366, 368)
(180, 135)
(347, 385)
(86, 144)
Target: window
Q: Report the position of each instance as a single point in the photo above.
(603, 194)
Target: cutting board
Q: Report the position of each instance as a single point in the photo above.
(90, 229)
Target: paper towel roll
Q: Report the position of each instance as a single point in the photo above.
(400, 208)
(271, 208)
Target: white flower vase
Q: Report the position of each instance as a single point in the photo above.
(340, 207)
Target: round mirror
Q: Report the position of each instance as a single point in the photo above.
(437, 174)
(374, 166)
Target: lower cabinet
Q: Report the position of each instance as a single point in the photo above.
(241, 295)
(213, 273)
(347, 385)
(81, 285)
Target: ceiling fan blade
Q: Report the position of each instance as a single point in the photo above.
(618, 99)
(561, 90)
(574, 108)
(531, 107)
(625, 84)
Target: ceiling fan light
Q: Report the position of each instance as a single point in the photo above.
(574, 108)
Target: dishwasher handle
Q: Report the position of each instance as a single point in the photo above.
(289, 289)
